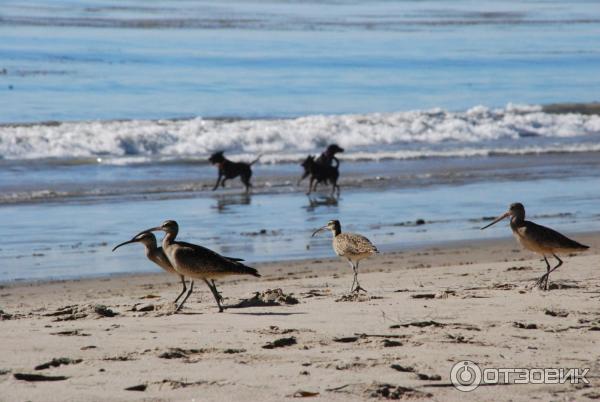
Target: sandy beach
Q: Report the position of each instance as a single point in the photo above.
(425, 311)
(433, 117)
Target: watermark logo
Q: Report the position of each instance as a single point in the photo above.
(467, 376)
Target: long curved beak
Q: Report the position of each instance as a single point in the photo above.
(498, 219)
(154, 229)
(319, 230)
(122, 244)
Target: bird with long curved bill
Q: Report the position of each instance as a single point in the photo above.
(194, 261)
(351, 246)
(539, 239)
(157, 256)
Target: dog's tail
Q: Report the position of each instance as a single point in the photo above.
(255, 160)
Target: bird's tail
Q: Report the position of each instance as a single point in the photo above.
(244, 269)
(253, 272)
(578, 246)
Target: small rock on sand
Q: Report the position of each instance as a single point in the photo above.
(57, 362)
(38, 377)
(140, 387)
(143, 307)
(281, 342)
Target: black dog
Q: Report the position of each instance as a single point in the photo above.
(327, 157)
(231, 170)
(320, 173)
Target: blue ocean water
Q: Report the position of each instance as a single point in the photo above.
(83, 60)
(439, 105)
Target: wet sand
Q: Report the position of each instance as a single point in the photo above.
(426, 310)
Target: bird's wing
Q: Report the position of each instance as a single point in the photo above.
(549, 237)
(358, 244)
(233, 258)
(203, 260)
(206, 250)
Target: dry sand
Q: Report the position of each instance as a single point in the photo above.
(425, 310)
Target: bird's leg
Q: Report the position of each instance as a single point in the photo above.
(186, 296)
(543, 278)
(183, 290)
(215, 287)
(358, 288)
(560, 262)
(216, 295)
(354, 281)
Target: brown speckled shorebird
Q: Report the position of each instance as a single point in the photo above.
(157, 256)
(352, 246)
(539, 239)
(199, 262)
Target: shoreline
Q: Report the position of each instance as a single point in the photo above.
(419, 254)
(425, 311)
(189, 180)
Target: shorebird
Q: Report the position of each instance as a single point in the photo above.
(352, 246)
(539, 239)
(199, 262)
(157, 256)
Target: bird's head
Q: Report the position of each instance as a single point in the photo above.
(516, 210)
(146, 238)
(169, 227)
(333, 226)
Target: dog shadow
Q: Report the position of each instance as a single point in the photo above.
(225, 202)
(315, 202)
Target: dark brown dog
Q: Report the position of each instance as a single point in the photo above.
(320, 173)
(231, 170)
(328, 157)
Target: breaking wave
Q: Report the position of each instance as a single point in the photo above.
(479, 131)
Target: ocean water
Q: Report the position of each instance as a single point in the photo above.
(109, 110)
(134, 59)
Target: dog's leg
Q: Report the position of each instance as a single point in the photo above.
(310, 184)
(304, 176)
(247, 185)
(245, 178)
(335, 187)
(218, 181)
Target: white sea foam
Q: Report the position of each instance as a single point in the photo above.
(477, 131)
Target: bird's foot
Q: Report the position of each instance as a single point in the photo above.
(218, 296)
(542, 283)
(358, 288)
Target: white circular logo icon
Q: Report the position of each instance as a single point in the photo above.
(465, 376)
